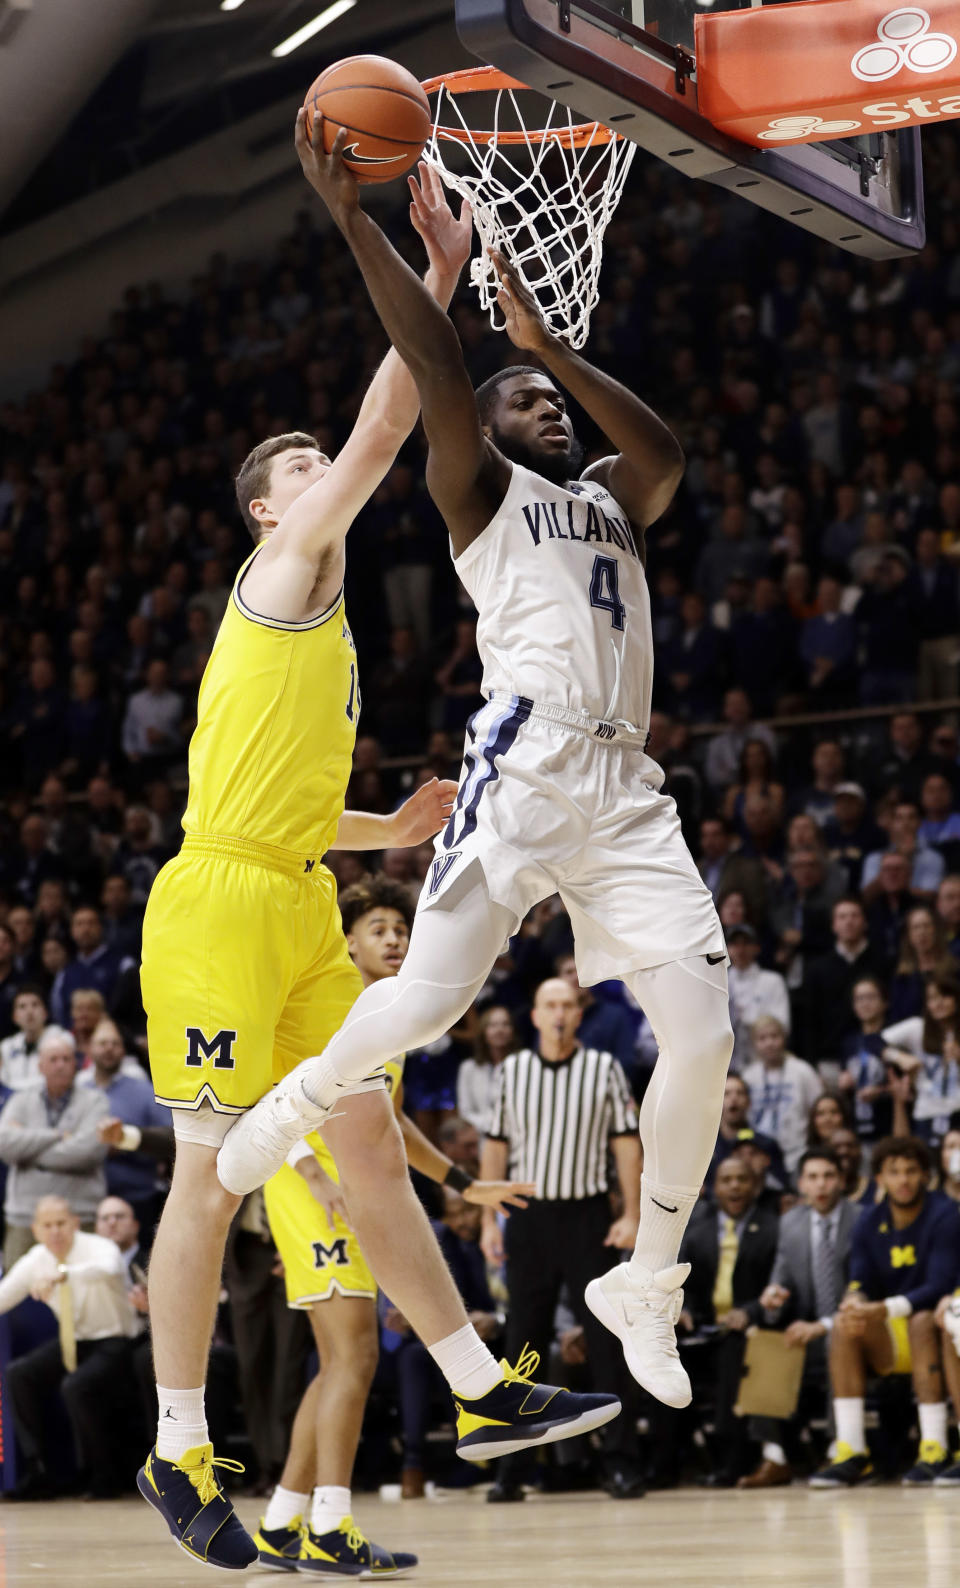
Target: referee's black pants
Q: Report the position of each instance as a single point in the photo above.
(550, 1245)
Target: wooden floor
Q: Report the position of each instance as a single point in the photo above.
(795, 1538)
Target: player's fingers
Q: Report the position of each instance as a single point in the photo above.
(339, 141)
(300, 136)
(448, 787)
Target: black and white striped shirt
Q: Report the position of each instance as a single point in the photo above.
(557, 1119)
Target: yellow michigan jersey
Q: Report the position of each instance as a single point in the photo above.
(245, 969)
(320, 1258)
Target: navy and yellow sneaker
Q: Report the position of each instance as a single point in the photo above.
(933, 1461)
(279, 1547)
(345, 1552)
(188, 1495)
(847, 1469)
(949, 1478)
(518, 1413)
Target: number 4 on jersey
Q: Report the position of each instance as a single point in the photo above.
(605, 590)
(353, 704)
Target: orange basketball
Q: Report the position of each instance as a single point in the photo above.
(383, 107)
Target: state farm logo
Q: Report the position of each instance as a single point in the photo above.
(904, 43)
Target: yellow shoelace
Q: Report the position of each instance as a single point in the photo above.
(527, 1363)
(355, 1539)
(206, 1482)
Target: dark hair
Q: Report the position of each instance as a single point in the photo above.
(842, 1103)
(908, 964)
(375, 893)
(770, 767)
(31, 989)
(481, 1047)
(900, 1147)
(486, 392)
(818, 1155)
(934, 1031)
(254, 477)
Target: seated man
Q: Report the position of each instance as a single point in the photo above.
(82, 1278)
(948, 1319)
(731, 1243)
(904, 1256)
(809, 1273)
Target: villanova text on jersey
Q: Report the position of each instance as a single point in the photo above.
(581, 520)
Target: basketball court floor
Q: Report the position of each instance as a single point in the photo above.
(791, 1538)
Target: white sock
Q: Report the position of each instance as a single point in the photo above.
(182, 1422)
(466, 1364)
(772, 1452)
(848, 1413)
(664, 1215)
(320, 1081)
(330, 1507)
(284, 1506)
(933, 1423)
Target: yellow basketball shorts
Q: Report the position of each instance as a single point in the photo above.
(320, 1259)
(245, 971)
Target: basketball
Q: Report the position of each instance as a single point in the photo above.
(383, 107)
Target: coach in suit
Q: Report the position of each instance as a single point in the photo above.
(731, 1243)
(808, 1280)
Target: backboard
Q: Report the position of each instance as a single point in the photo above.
(631, 65)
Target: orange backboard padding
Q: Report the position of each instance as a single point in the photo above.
(804, 73)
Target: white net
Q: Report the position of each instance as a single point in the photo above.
(543, 198)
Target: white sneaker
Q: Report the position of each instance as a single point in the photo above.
(257, 1145)
(642, 1312)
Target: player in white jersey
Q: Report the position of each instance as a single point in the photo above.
(557, 792)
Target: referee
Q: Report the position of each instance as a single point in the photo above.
(555, 1115)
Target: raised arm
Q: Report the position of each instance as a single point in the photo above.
(648, 466)
(466, 474)
(300, 568)
(417, 819)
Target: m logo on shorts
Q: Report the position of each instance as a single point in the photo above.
(219, 1048)
(336, 1252)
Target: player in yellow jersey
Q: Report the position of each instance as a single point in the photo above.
(245, 970)
(309, 1517)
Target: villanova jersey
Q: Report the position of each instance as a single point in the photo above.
(564, 611)
(276, 722)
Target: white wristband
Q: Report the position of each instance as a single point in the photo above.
(297, 1153)
(131, 1138)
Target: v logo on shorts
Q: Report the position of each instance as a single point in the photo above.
(440, 869)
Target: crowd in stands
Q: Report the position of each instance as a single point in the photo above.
(806, 578)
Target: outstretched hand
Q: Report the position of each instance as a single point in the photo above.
(501, 1195)
(327, 173)
(424, 813)
(525, 324)
(446, 238)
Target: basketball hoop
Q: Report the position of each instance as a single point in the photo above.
(541, 196)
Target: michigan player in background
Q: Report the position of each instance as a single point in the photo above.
(557, 793)
(309, 1517)
(245, 970)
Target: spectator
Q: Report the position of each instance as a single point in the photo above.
(948, 909)
(828, 646)
(48, 1136)
(138, 857)
(851, 833)
(923, 953)
(9, 982)
(725, 869)
(458, 678)
(950, 1164)
(691, 663)
(146, 1127)
(941, 822)
(831, 1112)
(725, 750)
(828, 984)
(755, 776)
(847, 1148)
(122, 922)
(927, 1049)
(864, 1073)
(87, 1009)
(96, 966)
(477, 1076)
(734, 1115)
(904, 1256)
(818, 799)
(800, 913)
(81, 1278)
(783, 1090)
(36, 861)
(566, 1236)
(808, 1280)
(753, 992)
(906, 761)
(731, 1243)
(926, 866)
(151, 726)
(892, 902)
(933, 589)
(19, 1057)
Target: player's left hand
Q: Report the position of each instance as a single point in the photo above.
(622, 1233)
(501, 1195)
(446, 239)
(424, 813)
(525, 325)
(327, 173)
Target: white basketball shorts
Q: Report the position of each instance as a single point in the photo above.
(553, 803)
